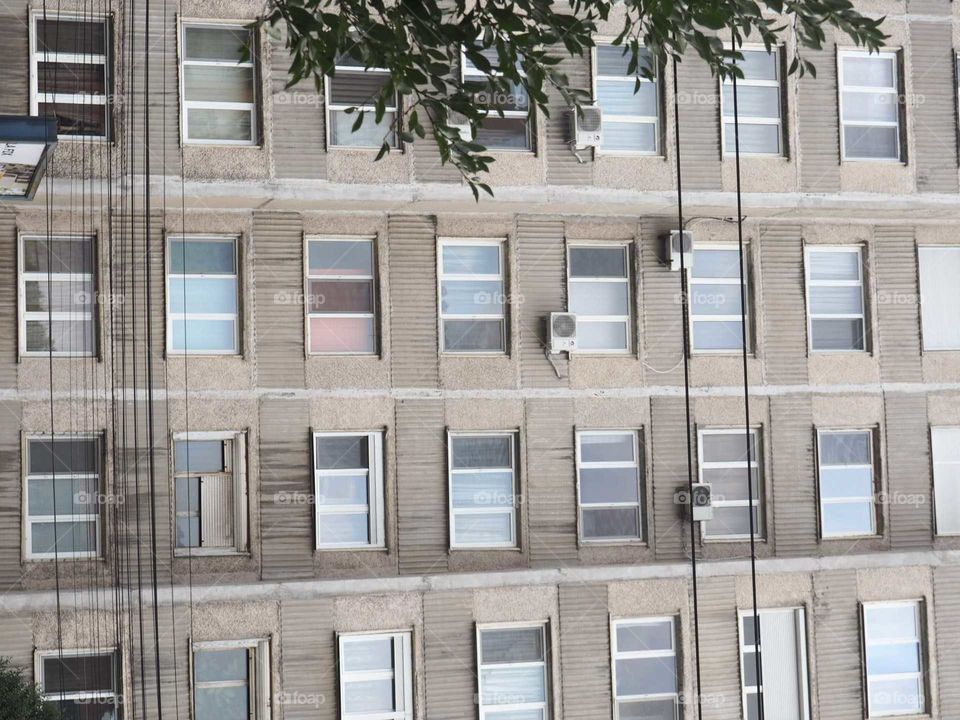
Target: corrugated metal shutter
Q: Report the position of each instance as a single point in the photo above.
(838, 680)
(563, 168)
(9, 330)
(792, 482)
(286, 481)
(427, 166)
(413, 301)
(908, 471)
(278, 267)
(216, 510)
(929, 7)
(946, 607)
(898, 313)
(423, 523)
(551, 488)
(10, 506)
(699, 125)
(298, 136)
(719, 648)
(818, 123)
(670, 533)
(935, 118)
(16, 639)
(450, 657)
(783, 305)
(308, 660)
(662, 309)
(541, 263)
(585, 652)
(15, 40)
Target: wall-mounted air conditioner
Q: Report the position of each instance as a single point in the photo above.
(676, 245)
(563, 332)
(585, 127)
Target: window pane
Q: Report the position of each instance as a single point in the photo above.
(648, 710)
(732, 521)
(482, 490)
(208, 43)
(731, 483)
(710, 263)
(353, 529)
(58, 256)
(76, 37)
(837, 333)
(471, 259)
(599, 262)
(752, 101)
(471, 297)
(870, 107)
(759, 139)
(846, 482)
(645, 636)
(889, 622)
(77, 119)
(220, 124)
(473, 335)
(356, 88)
(485, 529)
(727, 447)
(629, 137)
(646, 676)
(203, 295)
(83, 673)
(70, 295)
(202, 257)
(940, 297)
(848, 518)
(331, 334)
(514, 685)
(868, 72)
(497, 133)
(63, 455)
(758, 65)
(830, 300)
(481, 451)
(602, 335)
(368, 696)
(870, 142)
(599, 298)
(711, 299)
(220, 703)
(341, 257)
(370, 134)
(896, 697)
(341, 296)
(607, 447)
(66, 336)
(205, 335)
(188, 494)
(618, 522)
(845, 448)
(74, 496)
(198, 456)
(834, 265)
(342, 452)
(608, 485)
(71, 78)
(617, 97)
(68, 536)
(513, 645)
(359, 654)
(611, 60)
(218, 84)
(725, 335)
(892, 659)
(220, 665)
(343, 489)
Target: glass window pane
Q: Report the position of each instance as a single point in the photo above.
(513, 685)
(68, 536)
(712, 299)
(59, 256)
(845, 448)
(940, 296)
(485, 529)
(752, 102)
(71, 78)
(612, 61)
(870, 107)
(370, 134)
(198, 456)
(341, 257)
(77, 119)
(218, 84)
(759, 65)
(890, 622)
(645, 636)
(837, 333)
(869, 143)
(607, 447)
(729, 521)
(848, 518)
(66, 336)
(63, 455)
(727, 446)
(846, 482)
(482, 489)
(716, 263)
(368, 696)
(608, 485)
(892, 659)
(205, 335)
(869, 71)
(473, 335)
(599, 298)
(343, 489)
(629, 137)
(731, 483)
(664, 709)
(471, 259)
(341, 296)
(203, 295)
(618, 522)
(74, 37)
(342, 452)
(210, 43)
(512, 645)
(71, 295)
(202, 257)
(834, 265)
(471, 297)
(493, 451)
(598, 262)
(841, 300)
(374, 653)
(354, 88)
(617, 97)
(82, 673)
(339, 529)
(220, 703)
(220, 124)
(609, 335)
(725, 335)
(331, 334)
(759, 139)
(73, 496)
(510, 133)
(646, 676)
(220, 665)
(896, 697)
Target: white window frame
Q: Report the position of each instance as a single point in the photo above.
(859, 282)
(757, 462)
(468, 73)
(375, 491)
(616, 654)
(917, 606)
(37, 56)
(636, 465)
(186, 105)
(924, 335)
(627, 319)
(935, 431)
(240, 490)
(331, 107)
(258, 677)
(847, 500)
(693, 318)
(544, 639)
(892, 56)
(187, 316)
(372, 278)
(59, 315)
(442, 275)
(746, 691)
(401, 674)
(116, 676)
(752, 119)
(638, 119)
(29, 520)
(511, 435)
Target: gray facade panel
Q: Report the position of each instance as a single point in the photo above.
(450, 656)
(719, 643)
(837, 682)
(935, 110)
(793, 485)
(898, 310)
(15, 40)
(946, 592)
(662, 310)
(818, 124)
(413, 301)
(671, 533)
(908, 471)
(585, 652)
(308, 660)
(700, 151)
(9, 323)
(10, 497)
(783, 304)
(563, 167)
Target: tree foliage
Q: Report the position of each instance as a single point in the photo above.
(521, 42)
(21, 699)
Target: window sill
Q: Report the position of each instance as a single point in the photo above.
(209, 552)
(483, 549)
(629, 154)
(351, 549)
(589, 544)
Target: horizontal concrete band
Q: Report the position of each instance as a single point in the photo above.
(17, 602)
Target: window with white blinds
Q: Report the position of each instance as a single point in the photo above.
(507, 124)
(782, 686)
(893, 649)
(482, 470)
(210, 492)
(630, 102)
(231, 680)
(354, 86)
(608, 475)
(341, 296)
(727, 465)
(870, 105)
(513, 673)
(81, 683)
(376, 676)
(940, 296)
(759, 99)
(836, 314)
(847, 492)
(646, 681)
(945, 447)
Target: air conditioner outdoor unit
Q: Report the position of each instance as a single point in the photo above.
(699, 505)
(675, 245)
(586, 127)
(460, 123)
(563, 332)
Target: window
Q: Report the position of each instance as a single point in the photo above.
(70, 73)
(758, 105)
(608, 473)
(231, 680)
(716, 324)
(894, 654)
(511, 131)
(81, 683)
(835, 305)
(845, 461)
(783, 665)
(724, 463)
(63, 497)
(218, 79)
(376, 676)
(939, 296)
(598, 291)
(472, 297)
(341, 296)
(202, 316)
(210, 491)
(482, 485)
(945, 447)
(57, 291)
(869, 105)
(645, 682)
(348, 478)
(353, 86)
(513, 673)
(630, 102)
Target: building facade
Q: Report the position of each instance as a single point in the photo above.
(377, 494)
